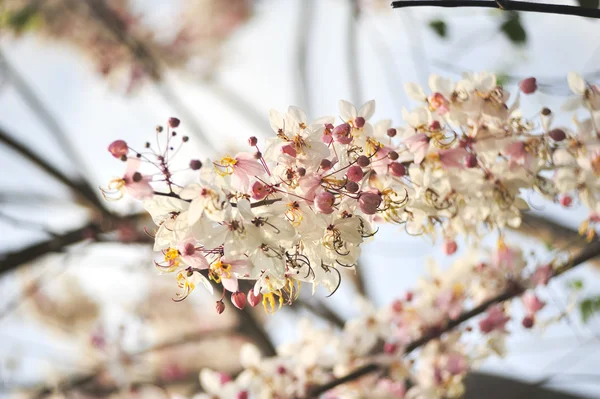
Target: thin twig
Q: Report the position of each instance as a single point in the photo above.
(352, 53)
(305, 18)
(504, 5)
(584, 255)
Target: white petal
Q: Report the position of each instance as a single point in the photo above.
(415, 92)
(190, 191)
(275, 119)
(367, 110)
(205, 283)
(210, 380)
(249, 356)
(347, 111)
(297, 114)
(576, 83)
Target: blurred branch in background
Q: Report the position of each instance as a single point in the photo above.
(507, 5)
(356, 94)
(305, 17)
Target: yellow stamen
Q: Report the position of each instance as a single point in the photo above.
(293, 214)
(172, 257)
(225, 166)
(218, 270)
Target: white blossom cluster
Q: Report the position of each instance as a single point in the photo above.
(298, 207)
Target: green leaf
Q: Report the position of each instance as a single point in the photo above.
(589, 307)
(576, 285)
(589, 3)
(513, 29)
(439, 27)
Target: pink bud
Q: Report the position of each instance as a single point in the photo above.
(557, 134)
(220, 307)
(391, 132)
(118, 148)
(238, 299)
(471, 161)
(393, 155)
(435, 125)
(397, 306)
(450, 247)
(390, 348)
(325, 164)
(363, 161)
(528, 321)
(174, 122)
(528, 86)
(224, 378)
(252, 141)
(289, 150)
(397, 169)
(281, 370)
(352, 187)
(254, 300)
(355, 173)
(195, 164)
(566, 201)
(369, 202)
(324, 202)
(242, 395)
(359, 122)
(259, 191)
(409, 296)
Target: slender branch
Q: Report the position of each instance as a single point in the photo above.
(507, 5)
(321, 310)
(352, 53)
(305, 18)
(233, 204)
(589, 252)
(79, 187)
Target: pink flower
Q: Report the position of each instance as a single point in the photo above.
(495, 320)
(309, 185)
(289, 150)
(438, 102)
(190, 256)
(341, 134)
(227, 269)
(450, 247)
(531, 303)
(245, 167)
(259, 191)
(542, 275)
(324, 202)
(118, 148)
(136, 184)
(418, 145)
(518, 154)
(453, 158)
(369, 202)
(456, 364)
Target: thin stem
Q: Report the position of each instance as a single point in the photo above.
(352, 53)
(589, 252)
(504, 5)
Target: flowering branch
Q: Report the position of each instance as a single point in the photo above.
(589, 252)
(507, 5)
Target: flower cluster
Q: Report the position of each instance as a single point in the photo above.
(298, 208)
(202, 26)
(387, 337)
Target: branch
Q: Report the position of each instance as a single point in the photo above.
(352, 53)
(79, 187)
(589, 252)
(505, 5)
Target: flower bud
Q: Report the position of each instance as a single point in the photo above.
(289, 150)
(185, 139)
(159, 129)
(195, 164)
(435, 125)
(363, 161)
(329, 126)
(359, 122)
(174, 122)
(281, 370)
(528, 321)
(254, 300)
(325, 164)
(301, 171)
(118, 148)
(546, 111)
(393, 155)
(324, 202)
(450, 247)
(352, 187)
(391, 132)
(355, 173)
(397, 169)
(566, 200)
(238, 299)
(137, 177)
(220, 307)
(557, 134)
(409, 296)
(369, 202)
(258, 155)
(252, 141)
(471, 161)
(528, 86)
(397, 306)
(242, 395)
(390, 348)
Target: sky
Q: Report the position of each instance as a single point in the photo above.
(261, 71)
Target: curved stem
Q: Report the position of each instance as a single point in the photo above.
(504, 5)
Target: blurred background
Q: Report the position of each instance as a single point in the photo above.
(83, 313)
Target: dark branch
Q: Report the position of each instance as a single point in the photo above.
(504, 5)
(584, 255)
